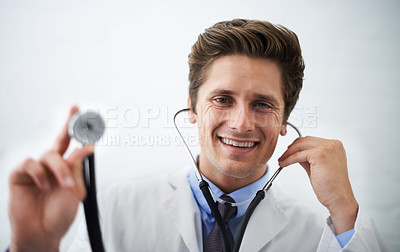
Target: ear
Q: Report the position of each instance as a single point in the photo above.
(283, 130)
(192, 115)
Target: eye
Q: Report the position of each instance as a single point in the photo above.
(263, 106)
(222, 100)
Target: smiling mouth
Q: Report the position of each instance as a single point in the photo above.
(231, 142)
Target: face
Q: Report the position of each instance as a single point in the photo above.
(239, 113)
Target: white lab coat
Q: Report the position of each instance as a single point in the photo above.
(161, 214)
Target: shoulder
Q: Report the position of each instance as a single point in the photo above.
(128, 192)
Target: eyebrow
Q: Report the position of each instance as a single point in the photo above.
(257, 96)
(267, 98)
(222, 92)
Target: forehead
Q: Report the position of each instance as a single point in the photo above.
(244, 75)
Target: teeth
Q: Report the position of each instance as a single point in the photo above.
(238, 144)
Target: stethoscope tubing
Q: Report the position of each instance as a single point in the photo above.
(245, 220)
(204, 187)
(90, 205)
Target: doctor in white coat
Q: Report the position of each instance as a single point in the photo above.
(245, 78)
(161, 214)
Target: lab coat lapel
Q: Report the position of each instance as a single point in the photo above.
(265, 223)
(182, 209)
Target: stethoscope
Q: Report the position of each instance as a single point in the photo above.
(209, 195)
(88, 128)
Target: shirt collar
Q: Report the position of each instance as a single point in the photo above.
(240, 195)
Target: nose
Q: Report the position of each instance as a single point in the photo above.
(241, 118)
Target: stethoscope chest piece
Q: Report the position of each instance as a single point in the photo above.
(86, 128)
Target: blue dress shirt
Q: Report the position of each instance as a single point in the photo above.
(240, 195)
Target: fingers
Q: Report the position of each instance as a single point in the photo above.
(296, 157)
(67, 172)
(309, 150)
(299, 145)
(57, 166)
(78, 154)
(38, 174)
(29, 172)
(62, 141)
(52, 170)
(75, 161)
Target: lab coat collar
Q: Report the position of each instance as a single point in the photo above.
(182, 209)
(267, 221)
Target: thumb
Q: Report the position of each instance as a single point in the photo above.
(75, 163)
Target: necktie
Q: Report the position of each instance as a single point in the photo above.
(213, 242)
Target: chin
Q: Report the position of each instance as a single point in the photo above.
(239, 171)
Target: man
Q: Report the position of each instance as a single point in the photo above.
(245, 78)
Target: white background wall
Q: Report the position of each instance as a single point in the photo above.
(131, 57)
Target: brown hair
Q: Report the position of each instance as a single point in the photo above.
(252, 38)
